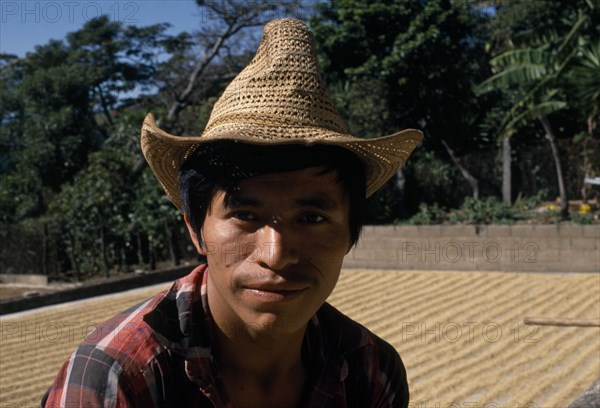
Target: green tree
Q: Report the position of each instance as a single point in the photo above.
(399, 64)
(93, 211)
(583, 93)
(58, 105)
(538, 70)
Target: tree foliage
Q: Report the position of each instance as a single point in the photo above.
(402, 64)
(77, 199)
(544, 68)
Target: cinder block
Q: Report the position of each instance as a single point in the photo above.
(553, 243)
(594, 259)
(579, 261)
(389, 265)
(365, 242)
(430, 231)
(570, 230)
(481, 230)
(591, 231)
(556, 267)
(530, 253)
(521, 231)
(392, 243)
(517, 267)
(354, 263)
(584, 243)
(521, 247)
(488, 266)
(384, 230)
(497, 247)
(407, 231)
(493, 231)
(546, 267)
(375, 254)
(545, 231)
(379, 243)
(458, 231)
(544, 255)
(368, 231)
(409, 266)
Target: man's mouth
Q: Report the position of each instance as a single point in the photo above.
(275, 292)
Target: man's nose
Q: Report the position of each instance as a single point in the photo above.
(276, 249)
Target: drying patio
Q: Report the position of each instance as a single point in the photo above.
(461, 335)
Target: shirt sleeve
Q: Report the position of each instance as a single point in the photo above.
(89, 378)
(390, 384)
(376, 377)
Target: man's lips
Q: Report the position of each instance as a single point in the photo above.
(275, 292)
(277, 287)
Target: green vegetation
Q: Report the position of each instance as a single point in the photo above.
(506, 93)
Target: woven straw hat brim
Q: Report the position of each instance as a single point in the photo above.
(382, 156)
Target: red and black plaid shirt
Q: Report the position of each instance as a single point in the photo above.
(158, 354)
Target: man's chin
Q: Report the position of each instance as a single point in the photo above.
(275, 325)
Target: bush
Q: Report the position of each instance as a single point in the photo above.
(487, 210)
(428, 214)
(584, 219)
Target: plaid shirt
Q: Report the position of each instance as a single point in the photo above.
(158, 354)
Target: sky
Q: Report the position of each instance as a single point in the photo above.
(25, 24)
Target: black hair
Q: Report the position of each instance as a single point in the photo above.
(224, 164)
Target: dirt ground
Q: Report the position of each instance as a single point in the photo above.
(461, 335)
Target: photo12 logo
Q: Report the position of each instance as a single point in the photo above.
(452, 332)
(472, 404)
(67, 11)
(469, 252)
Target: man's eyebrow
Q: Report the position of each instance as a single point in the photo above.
(322, 201)
(235, 200)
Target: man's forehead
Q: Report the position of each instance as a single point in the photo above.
(313, 186)
(305, 175)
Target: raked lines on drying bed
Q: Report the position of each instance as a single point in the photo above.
(461, 335)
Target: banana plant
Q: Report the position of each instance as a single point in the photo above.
(539, 72)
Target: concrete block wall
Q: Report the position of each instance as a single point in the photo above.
(24, 279)
(517, 248)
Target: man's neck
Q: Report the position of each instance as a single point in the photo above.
(260, 369)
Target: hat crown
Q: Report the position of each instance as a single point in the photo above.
(281, 86)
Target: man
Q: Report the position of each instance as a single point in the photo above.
(272, 193)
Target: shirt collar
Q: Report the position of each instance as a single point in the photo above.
(181, 320)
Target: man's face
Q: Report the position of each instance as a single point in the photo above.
(275, 249)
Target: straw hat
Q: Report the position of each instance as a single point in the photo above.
(279, 98)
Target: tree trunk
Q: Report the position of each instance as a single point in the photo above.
(140, 254)
(45, 251)
(183, 98)
(104, 106)
(506, 171)
(586, 167)
(473, 182)
(73, 258)
(564, 201)
(171, 243)
(103, 250)
(151, 255)
(401, 211)
(587, 163)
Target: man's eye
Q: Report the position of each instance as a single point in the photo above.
(312, 218)
(245, 216)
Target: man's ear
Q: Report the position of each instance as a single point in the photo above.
(197, 242)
